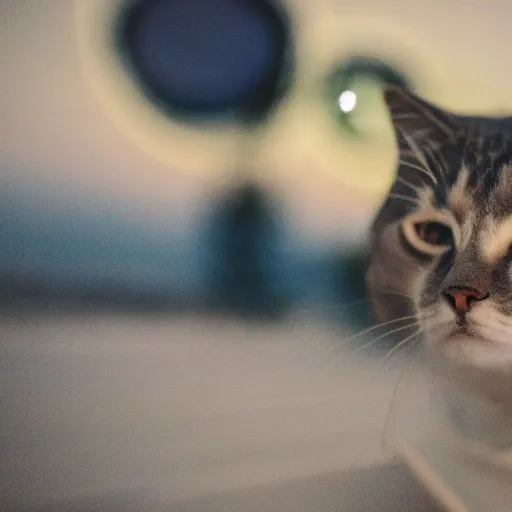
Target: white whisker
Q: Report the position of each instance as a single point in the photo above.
(384, 290)
(405, 198)
(440, 164)
(374, 340)
(415, 150)
(397, 347)
(374, 327)
(408, 184)
(393, 401)
(418, 168)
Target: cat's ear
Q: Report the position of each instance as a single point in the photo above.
(415, 118)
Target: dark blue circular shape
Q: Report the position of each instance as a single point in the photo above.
(204, 58)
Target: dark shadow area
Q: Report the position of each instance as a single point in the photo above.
(243, 273)
(349, 288)
(238, 256)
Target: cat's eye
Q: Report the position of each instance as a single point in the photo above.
(434, 233)
(430, 237)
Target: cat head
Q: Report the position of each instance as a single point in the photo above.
(442, 240)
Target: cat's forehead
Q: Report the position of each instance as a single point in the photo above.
(480, 196)
(481, 184)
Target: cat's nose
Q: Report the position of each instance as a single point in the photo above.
(461, 298)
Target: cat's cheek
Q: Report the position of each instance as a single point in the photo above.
(425, 288)
(417, 284)
(492, 325)
(421, 298)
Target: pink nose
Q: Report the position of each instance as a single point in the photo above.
(461, 298)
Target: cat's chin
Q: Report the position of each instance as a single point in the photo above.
(474, 363)
(467, 350)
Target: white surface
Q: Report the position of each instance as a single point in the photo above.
(463, 475)
(166, 410)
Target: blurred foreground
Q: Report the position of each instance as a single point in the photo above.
(152, 412)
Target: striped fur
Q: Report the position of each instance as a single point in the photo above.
(457, 169)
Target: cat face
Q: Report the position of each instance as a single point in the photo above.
(441, 244)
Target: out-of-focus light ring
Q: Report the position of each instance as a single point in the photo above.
(185, 148)
(324, 38)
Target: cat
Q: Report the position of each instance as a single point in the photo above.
(441, 245)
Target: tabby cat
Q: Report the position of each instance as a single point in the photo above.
(441, 243)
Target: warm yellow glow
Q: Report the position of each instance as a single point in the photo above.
(300, 137)
(182, 146)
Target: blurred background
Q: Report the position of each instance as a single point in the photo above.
(180, 170)
(193, 154)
